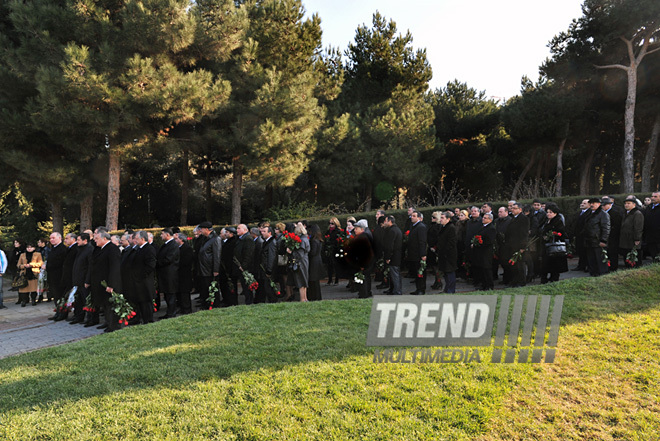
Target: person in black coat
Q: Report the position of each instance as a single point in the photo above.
(67, 268)
(267, 265)
(501, 224)
(515, 240)
(652, 226)
(416, 252)
(616, 217)
(228, 283)
(392, 246)
(553, 230)
(243, 255)
(54, 268)
(316, 269)
(167, 269)
(432, 238)
(360, 256)
(472, 225)
(185, 274)
(482, 245)
(127, 255)
(596, 236)
(104, 267)
(79, 274)
(578, 235)
(446, 245)
(143, 270)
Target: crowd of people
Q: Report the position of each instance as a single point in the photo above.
(284, 262)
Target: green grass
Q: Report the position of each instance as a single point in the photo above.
(302, 371)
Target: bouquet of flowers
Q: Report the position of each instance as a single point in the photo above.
(213, 290)
(61, 306)
(252, 283)
(517, 256)
(342, 237)
(422, 268)
(292, 240)
(121, 307)
(477, 241)
(631, 258)
(89, 306)
(606, 258)
(551, 236)
(359, 277)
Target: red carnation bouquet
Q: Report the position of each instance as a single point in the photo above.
(476, 241)
(552, 235)
(249, 278)
(292, 240)
(121, 307)
(631, 258)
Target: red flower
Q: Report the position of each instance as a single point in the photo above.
(210, 308)
(608, 263)
(407, 232)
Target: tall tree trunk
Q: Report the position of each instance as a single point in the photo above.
(539, 167)
(86, 210)
(58, 215)
(209, 194)
(236, 190)
(521, 178)
(185, 189)
(647, 165)
(560, 163)
(268, 196)
(114, 175)
(369, 189)
(629, 140)
(586, 171)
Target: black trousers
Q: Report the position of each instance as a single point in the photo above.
(595, 261)
(111, 318)
(314, 290)
(483, 277)
(420, 282)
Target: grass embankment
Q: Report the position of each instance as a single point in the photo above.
(302, 371)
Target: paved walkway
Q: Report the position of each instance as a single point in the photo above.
(24, 329)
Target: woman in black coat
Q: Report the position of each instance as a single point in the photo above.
(316, 270)
(553, 230)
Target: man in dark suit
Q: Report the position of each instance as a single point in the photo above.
(105, 265)
(652, 226)
(578, 235)
(243, 253)
(616, 218)
(54, 266)
(360, 254)
(67, 269)
(256, 263)
(267, 265)
(392, 252)
(79, 274)
(596, 237)
(501, 224)
(167, 269)
(416, 252)
(127, 282)
(209, 262)
(143, 269)
(185, 273)
(472, 225)
(482, 245)
(515, 240)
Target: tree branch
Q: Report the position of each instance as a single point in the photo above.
(653, 50)
(613, 66)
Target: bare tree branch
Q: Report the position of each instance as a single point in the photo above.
(613, 66)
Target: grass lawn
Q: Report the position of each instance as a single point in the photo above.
(302, 371)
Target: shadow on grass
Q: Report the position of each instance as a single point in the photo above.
(210, 345)
(215, 345)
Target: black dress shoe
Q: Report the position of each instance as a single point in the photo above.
(90, 324)
(103, 326)
(388, 292)
(75, 321)
(54, 317)
(417, 293)
(108, 330)
(165, 317)
(3, 307)
(382, 285)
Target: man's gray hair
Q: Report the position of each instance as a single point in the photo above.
(104, 235)
(488, 215)
(143, 234)
(182, 237)
(56, 233)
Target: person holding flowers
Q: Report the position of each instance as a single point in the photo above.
(553, 230)
(29, 265)
(632, 231)
(332, 244)
(515, 241)
(298, 247)
(482, 245)
(596, 235)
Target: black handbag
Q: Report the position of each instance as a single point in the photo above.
(19, 281)
(556, 249)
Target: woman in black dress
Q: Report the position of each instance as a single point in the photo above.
(553, 230)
